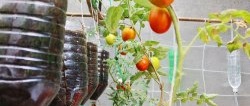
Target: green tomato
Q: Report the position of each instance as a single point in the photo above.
(155, 62)
(110, 39)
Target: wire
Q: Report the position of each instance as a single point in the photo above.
(236, 99)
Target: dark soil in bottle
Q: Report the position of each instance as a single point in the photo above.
(74, 84)
(31, 44)
(103, 76)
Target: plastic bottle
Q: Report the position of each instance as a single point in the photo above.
(31, 45)
(74, 84)
(103, 75)
(234, 70)
(92, 70)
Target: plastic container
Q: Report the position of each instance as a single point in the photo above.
(92, 70)
(103, 76)
(74, 83)
(234, 70)
(31, 44)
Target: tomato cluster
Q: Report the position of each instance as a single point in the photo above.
(159, 18)
(144, 64)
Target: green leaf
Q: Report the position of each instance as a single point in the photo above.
(114, 15)
(144, 3)
(199, 102)
(151, 43)
(217, 39)
(194, 88)
(222, 27)
(225, 16)
(245, 15)
(136, 76)
(234, 45)
(246, 48)
(203, 35)
(138, 57)
(210, 102)
(211, 96)
(162, 72)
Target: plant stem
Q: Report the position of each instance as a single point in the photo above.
(178, 73)
(191, 43)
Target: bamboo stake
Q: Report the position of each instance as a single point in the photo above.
(188, 19)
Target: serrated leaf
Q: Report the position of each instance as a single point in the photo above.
(211, 96)
(225, 16)
(203, 35)
(222, 27)
(114, 15)
(194, 88)
(234, 45)
(213, 15)
(210, 103)
(245, 15)
(151, 43)
(246, 48)
(181, 94)
(144, 3)
(217, 39)
(202, 96)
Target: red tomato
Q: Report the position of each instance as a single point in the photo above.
(161, 3)
(143, 64)
(159, 20)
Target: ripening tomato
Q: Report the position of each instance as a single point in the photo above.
(128, 33)
(159, 20)
(143, 64)
(161, 3)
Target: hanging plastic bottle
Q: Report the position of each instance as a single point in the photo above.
(103, 76)
(74, 84)
(234, 70)
(31, 45)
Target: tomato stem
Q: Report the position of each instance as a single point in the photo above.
(178, 73)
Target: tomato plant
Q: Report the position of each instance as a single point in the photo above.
(159, 20)
(138, 12)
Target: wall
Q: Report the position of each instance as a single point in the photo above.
(206, 64)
